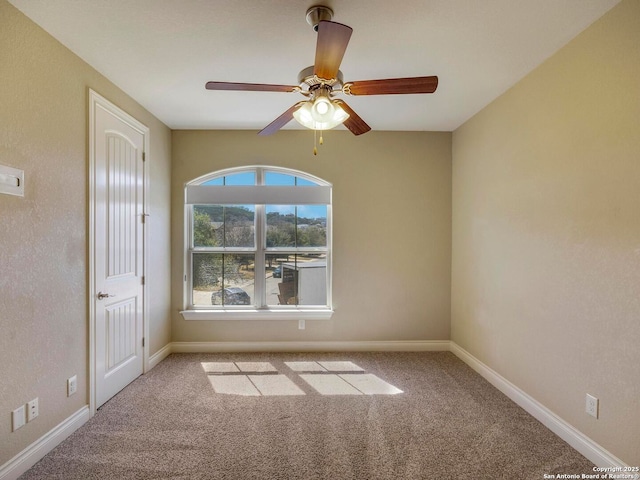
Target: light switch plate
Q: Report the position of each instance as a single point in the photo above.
(11, 181)
(18, 418)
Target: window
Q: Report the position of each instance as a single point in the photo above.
(258, 245)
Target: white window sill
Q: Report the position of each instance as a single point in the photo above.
(255, 314)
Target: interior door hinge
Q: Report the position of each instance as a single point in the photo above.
(143, 280)
(144, 215)
(144, 156)
(142, 342)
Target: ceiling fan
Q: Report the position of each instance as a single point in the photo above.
(321, 82)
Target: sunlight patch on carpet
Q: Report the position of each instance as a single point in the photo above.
(219, 367)
(256, 379)
(305, 366)
(330, 384)
(257, 367)
(272, 385)
(234, 385)
(341, 367)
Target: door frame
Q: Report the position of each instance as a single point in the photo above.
(98, 101)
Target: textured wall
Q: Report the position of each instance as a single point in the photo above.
(391, 235)
(43, 236)
(546, 232)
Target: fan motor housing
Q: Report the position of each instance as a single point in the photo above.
(308, 81)
(317, 14)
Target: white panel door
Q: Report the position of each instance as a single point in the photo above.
(119, 253)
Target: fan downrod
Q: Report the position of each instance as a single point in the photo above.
(317, 14)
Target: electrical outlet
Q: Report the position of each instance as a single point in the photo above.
(592, 404)
(32, 409)
(17, 418)
(72, 385)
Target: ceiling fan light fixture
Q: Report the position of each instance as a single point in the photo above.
(322, 109)
(308, 117)
(320, 112)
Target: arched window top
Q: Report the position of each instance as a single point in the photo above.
(259, 186)
(260, 176)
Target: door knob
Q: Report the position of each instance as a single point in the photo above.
(104, 295)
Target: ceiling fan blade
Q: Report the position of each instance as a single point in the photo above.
(354, 123)
(250, 87)
(332, 42)
(392, 86)
(281, 121)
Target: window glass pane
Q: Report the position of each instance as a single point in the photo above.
(281, 226)
(223, 279)
(207, 277)
(215, 181)
(208, 221)
(305, 183)
(238, 280)
(243, 178)
(224, 226)
(273, 178)
(297, 280)
(239, 226)
(296, 226)
(274, 262)
(311, 226)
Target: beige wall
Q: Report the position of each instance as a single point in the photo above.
(546, 232)
(391, 236)
(43, 236)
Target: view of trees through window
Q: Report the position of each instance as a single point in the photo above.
(226, 253)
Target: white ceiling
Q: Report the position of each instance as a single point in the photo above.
(162, 52)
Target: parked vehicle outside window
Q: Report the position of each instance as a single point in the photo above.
(232, 296)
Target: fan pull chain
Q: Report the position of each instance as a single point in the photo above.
(315, 142)
(315, 149)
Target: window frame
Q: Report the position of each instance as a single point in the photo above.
(259, 310)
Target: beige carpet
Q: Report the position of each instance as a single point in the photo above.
(447, 423)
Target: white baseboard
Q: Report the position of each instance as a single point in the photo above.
(374, 346)
(160, 355)
(578, 440)
(38, 449)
